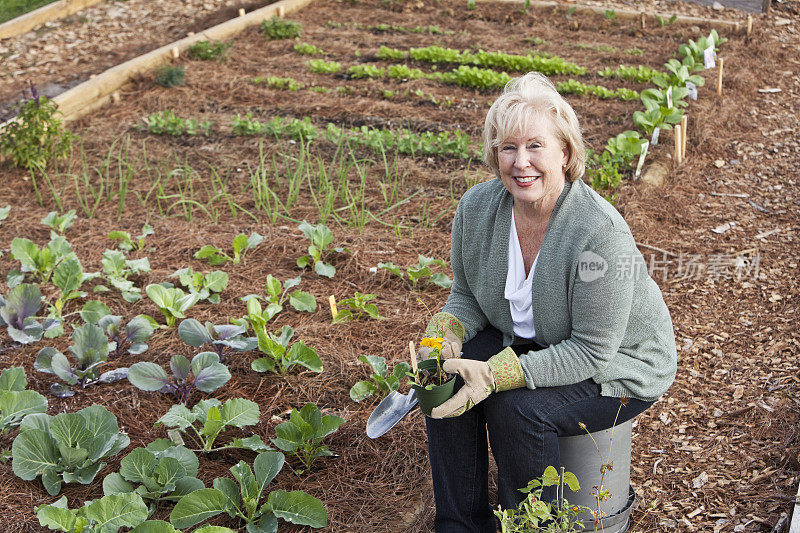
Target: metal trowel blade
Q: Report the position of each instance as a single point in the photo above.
(389, 412)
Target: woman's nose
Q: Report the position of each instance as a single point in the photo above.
(522, 159)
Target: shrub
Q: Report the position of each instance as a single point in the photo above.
(171, 76)
(207, 50)
(278, 28)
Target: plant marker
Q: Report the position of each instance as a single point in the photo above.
(413, 356)
(280, 11)
(654, 138)
(708, 57)
(719, 77)
(641, 17)
(189, 34)
(669, 97)
(749, 25)
(676, 154)
(115, 96)
(684, 131)
(175, 53)
(642, 156)
(334, 310)
(241, 11)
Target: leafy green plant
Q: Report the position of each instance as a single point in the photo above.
(68, 447)
(207, 375)
(118, 269)
(127, 243)
(241, 499)
(158, 472)
(209, 50)
(90, 349)
(321, 238)
(420, 271)
(677, 75)
(168, 123)
(59, 223)
(105, 515)
(68, 276)
(626, 146)
(639, 74)
(247, 125)
(534, 514)
(18, 313)
(241, 243)
(666, 21)
(172, 302)
(207, 287)
(130, 338)
(695, 50)
(160, 526)
(306, 49)
(208, 419)
(273, 82)
(320, 66)
(171, 76)
(302, 434)
(365, 71)
(280, 357)
(357, 306)
(277, 294)
(41, 262)
(609, 14)
(278, 28)
(15, 400)
(603, 174)
(383, 382)
(223, 338)
(37, 136)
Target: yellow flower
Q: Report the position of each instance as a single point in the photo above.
(432, 342)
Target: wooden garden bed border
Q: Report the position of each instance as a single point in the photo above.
(56, 10)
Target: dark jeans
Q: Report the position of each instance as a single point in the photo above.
(523, 427)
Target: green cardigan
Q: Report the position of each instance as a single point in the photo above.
(609, 325)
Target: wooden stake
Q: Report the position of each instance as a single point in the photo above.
(749, 25)
(684, 132)
(115, 96)
(241, 11)
(175, 53)
(281, 11)
(641, 17)
(413, 352)
(332, 302)
(676, 154)
(719, 77)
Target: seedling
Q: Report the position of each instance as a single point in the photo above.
(207, 375)
(41, 262)
(420, 271)
(241, 243)
(278, 28)
(382, 382)
(15, 401)
(280, 357)
(357, 306)
(159, 472)
(118, 269)
(131, 338)
(302, 434)
(90, 349)
(666, 21)
(609, 14)
(206, 287)
(109, 513)
(241, 499)
(422, 377)
(208, 419)
(278, 293)
(126, 241)
(677, 75)
(209, 50)
(59, 223)
(171, 76)
(18, 313)
(66, 448)
(320, 66)
(168, 123)
(224, 339)
(321, 238)
(171, 301)
(68, 276)
(306, 49)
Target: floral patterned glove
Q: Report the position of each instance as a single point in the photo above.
(444, 332)
(501, 372)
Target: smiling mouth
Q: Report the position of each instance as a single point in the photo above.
(526, 179)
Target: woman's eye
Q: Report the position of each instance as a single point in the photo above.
(533, 146)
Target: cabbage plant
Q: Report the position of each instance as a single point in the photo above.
(106, 515)
(68, 447)
(302, 434)
(40, 262)
(171, 301)
(206, 286)
(15, 401)
(280, 357)
(245, 499)
(118, 269)
(241, 243)
(207, 375)
(223, 338)
(131, 338)
(18, 313)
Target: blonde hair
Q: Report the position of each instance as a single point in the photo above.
(523, 99)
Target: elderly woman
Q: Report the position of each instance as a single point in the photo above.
(559, 320)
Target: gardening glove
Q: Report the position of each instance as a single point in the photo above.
(501, 372)
(452, 335)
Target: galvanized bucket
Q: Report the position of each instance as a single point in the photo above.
(580, 456)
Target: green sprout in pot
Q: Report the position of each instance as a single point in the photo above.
(433, 376)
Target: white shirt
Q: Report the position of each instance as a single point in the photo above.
(519, 288)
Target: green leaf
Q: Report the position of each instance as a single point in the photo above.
(266, 467)
(13, 379)
(93, 311)
(147, 376)
(156, 526)
(298, 507)
(391, 267)
(26, 252)
(197, 507)
(231, 492)
(114, 483)
(193, 333)
(442, 280)
(303, 301)
(115, 511)
(216, 281)
(57, 516)
(15, 405)
(571, 481)
(137, 465)
(324, 269)
(302, 355)
(263, 364)
(253, 443)
(239, 244)
(178, 416)
(33, 452)
(68, 276)
(273, 288)
(240, 412)
(362, 390)
(247, 481)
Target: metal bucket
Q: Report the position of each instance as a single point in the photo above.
(580, 456)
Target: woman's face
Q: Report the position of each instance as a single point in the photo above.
(531, 165)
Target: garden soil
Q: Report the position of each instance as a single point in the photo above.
(719, 452)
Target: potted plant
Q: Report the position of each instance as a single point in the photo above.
(432, 384)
